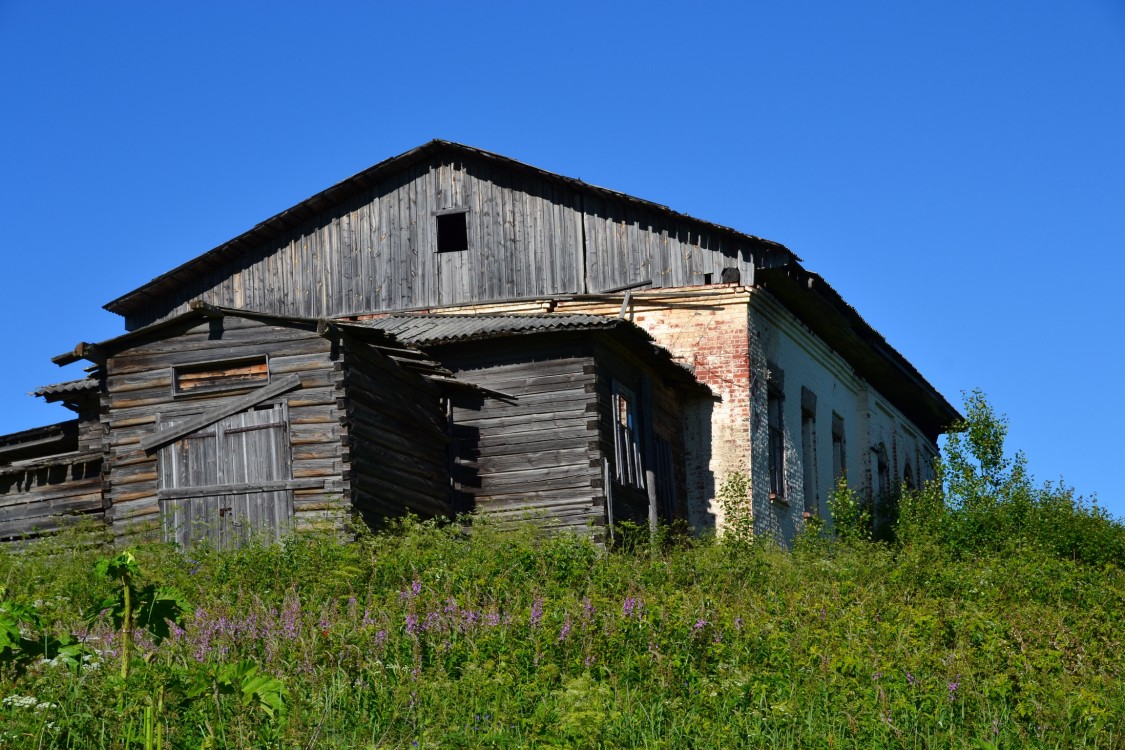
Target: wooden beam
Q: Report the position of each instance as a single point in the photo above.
(162, 438)
(206, 309)
(219, 490)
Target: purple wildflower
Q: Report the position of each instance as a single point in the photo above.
(738, 623)
(953, 689)
(699, 625)
(416, 587)
(412, 623)
(536, 612)
(910, 678)
(587, 609)
(565, 631)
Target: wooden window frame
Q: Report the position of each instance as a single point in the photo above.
(176, 370)
(628, 460)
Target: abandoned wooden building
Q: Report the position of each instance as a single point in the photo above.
(454, 331)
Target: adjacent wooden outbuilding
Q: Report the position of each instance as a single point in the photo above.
(581, 426)
(221, 424)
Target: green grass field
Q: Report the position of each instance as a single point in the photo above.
(994, 619)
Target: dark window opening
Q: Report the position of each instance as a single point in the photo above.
(208, 377)
(808, 451)
(839, 463)
(883, 469)
(774, 408)
(908, 478)
(707, 278)
(626, 438)
(886, 498)
(453, 232)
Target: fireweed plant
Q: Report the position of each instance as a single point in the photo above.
(450, 635)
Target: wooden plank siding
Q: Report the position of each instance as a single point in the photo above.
(529, 236)
(397, 442)
(541, 454)
(139, 392)
(536, 456)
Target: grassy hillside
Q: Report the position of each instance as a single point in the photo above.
(432, 637)
(995, 619)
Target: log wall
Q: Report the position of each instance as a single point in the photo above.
(39, 496)
(535, 456)
(139, 388)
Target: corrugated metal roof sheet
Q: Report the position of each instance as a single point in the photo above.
(70, 386)
(424, 329)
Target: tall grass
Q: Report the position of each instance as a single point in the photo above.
(431, 636)
(995, 620)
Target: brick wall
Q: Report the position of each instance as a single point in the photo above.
(731, 336)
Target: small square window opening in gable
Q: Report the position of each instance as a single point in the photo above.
(452, 230)
(209, 377)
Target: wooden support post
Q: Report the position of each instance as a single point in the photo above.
(648, 450)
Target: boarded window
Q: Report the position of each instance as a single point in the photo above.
(453, 231)
(229, 481)
(626, 438)
(208, 377)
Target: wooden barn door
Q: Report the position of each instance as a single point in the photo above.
(229, 481)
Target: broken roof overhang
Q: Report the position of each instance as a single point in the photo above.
(368, 178)
(38, 442)
(824, 311)
(63, 391)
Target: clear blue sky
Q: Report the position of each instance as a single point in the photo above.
(956, 169)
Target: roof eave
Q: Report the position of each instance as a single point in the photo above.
(820, 307)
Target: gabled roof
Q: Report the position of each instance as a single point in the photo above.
(353, 186)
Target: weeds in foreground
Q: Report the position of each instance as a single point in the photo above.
(427, 635)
